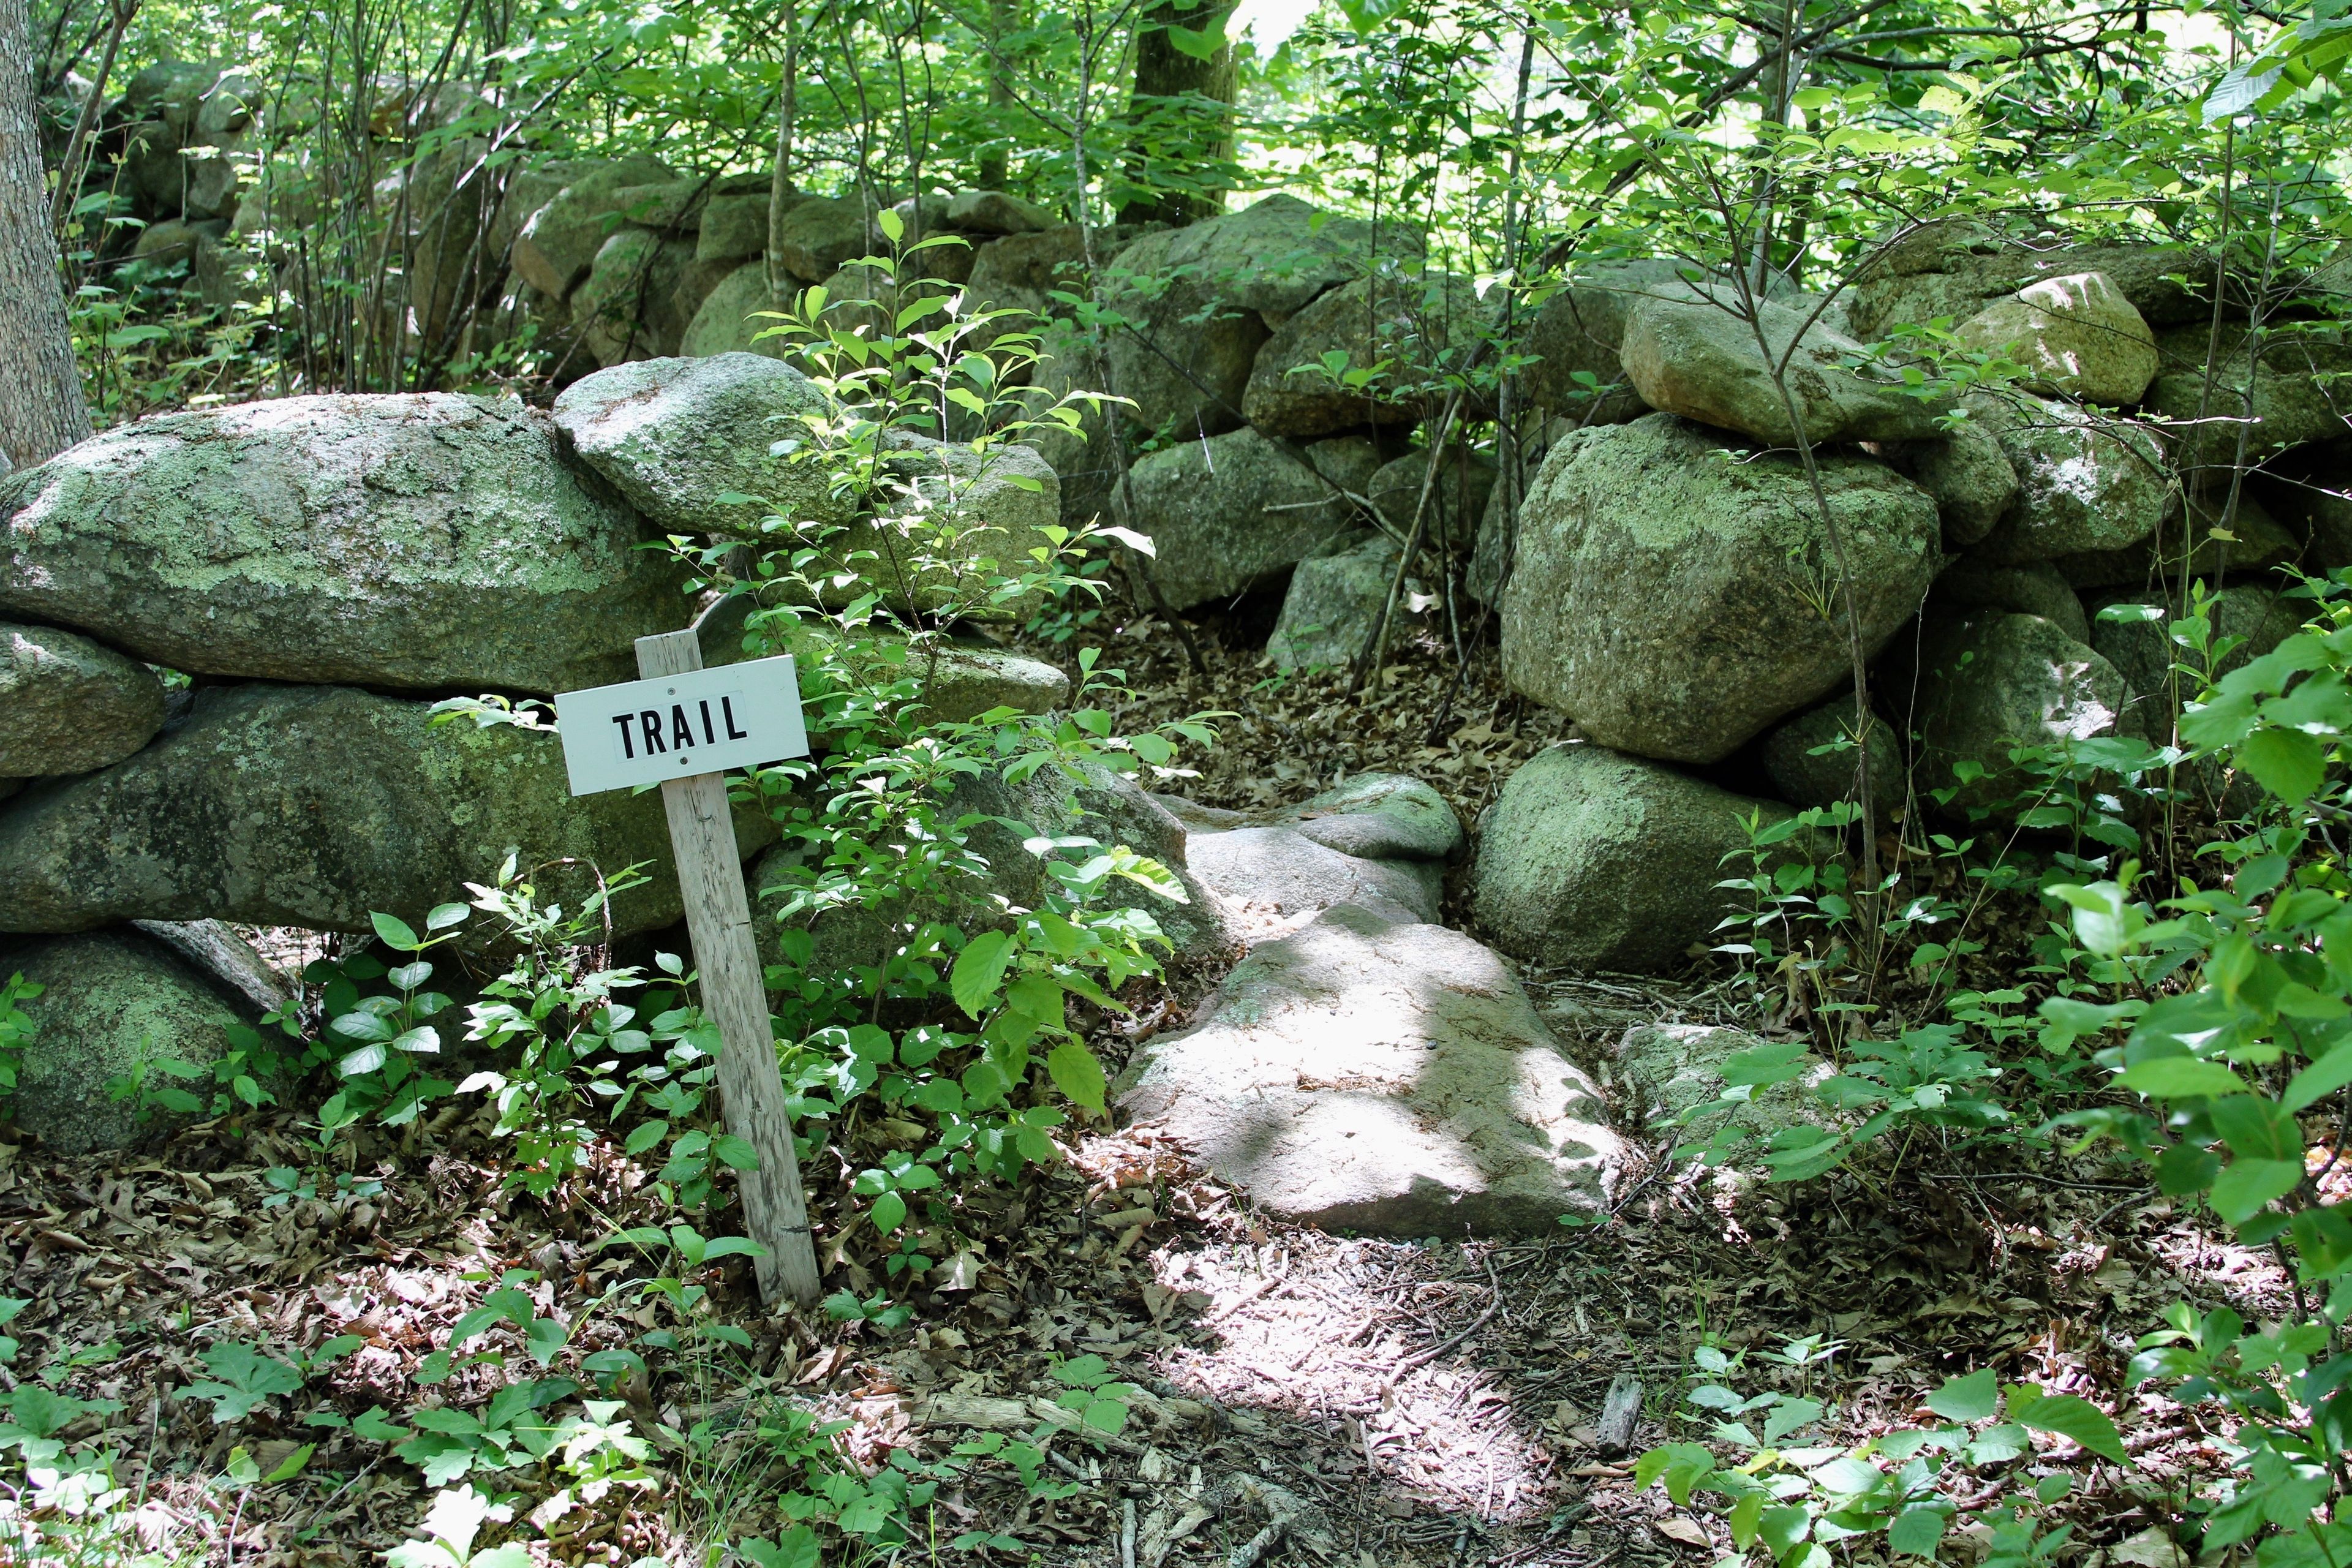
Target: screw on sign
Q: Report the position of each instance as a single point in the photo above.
(682, 727)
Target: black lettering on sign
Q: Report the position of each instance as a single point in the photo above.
(727, 707)
(710, 735)
(649, 725)
(628, 747)
(681, 733)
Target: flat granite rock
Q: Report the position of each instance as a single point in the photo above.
(1382, 1077)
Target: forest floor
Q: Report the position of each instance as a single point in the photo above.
(1420, 1402)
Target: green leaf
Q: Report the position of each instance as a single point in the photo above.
(2241, 1191)
(2181, 1077)
(645, 1137)
(890, 1212)
(979, 969)
(443, 915)
(2320, 1079)
(1077, 1074)
(1971, 1398)
(2287, 762)
(394, 932)
(1917, 1533)
(734, 1153)
(2069, 1417)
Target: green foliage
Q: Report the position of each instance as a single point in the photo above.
(247, 1377)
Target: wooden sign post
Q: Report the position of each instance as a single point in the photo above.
(654, 729)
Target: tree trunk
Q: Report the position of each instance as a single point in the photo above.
(1198, 94)
(994, 164)
(41, 407)
(779, 178)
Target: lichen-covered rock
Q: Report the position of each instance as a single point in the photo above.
(426, 542)
(1676, 1069)
(69, 705)
(734, 228)
(113, 1006)
(725, 321)
(1384, 1076)
(996, 211)
(627, 307)
(2076, 336)
(2086, 481)
(1228, 513)
(2136, 636)
(1185, 356)
(1409, 322)
(2292, 387)
(1965, 472)
(1497, 526)
(1332, 602)
(1378, 841)
(1577, 333)
(1812, 761)
(1988, 681)
(1595, 861)
(1953, 270)
(315, 806)
(1704, 362)
(558, 244)
(1457, 500)
(675, 435)
(2034, 588)
(2255, 541)
(1675, 599)
(819, 234)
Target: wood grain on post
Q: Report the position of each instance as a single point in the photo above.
(734, 995)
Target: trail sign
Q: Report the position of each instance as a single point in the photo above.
(681, 717)
(674, 727)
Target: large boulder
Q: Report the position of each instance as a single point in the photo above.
(2262, 394)
(819, 234)
(1812, 759)
(2135, 636)
(725, 321)
(114, 1005)
(2075, 337)
(426, 542)
(1024, 271)
(1280, 254)
(626, 308)
(1400, 331)
(1965, 472)
(2087, 481)
(1675, 599)
(997, 211)
(558, 244)
(69, 705)
(1577, 334)
(1595, 861)
(1988, 681)
(1230, 512)
(2035, 588)
(1379, 841)
(674, 436)
(1331, 604)
(1953, 270)
(315, 806)
(1383, 1077)
(1703, 360)
(1183, 350)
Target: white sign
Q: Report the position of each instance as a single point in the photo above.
(700, 721)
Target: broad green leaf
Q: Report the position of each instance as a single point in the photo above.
(2287, 762)
(2242, 1191)
(395, 933)
(2068, 1415)
(1076, 1073)
(979, 969)
(1916, 1532)
(2181, 1077)
(1971, 1398)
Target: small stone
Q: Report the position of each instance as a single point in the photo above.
(1598, 861)
(1802, 778)
(69, 705)
(1332, 602)
(2034, 588)
(2076, 336)
(1383, 1076)
(1677, 1067)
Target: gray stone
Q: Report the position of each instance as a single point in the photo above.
(1184, 353)
(1383, 1076)
(1579, 331)
(557, 245)
(1674, 600)
(1023, 272)
(314, 806)
(113, 1005)
(215, 951)
(1954, 270)
(2256, 543)
(997, 211)
(1965, 472)
(1274, 257)
(2292, 387)
(2075, 336)
(1497, 526)
(1457, 501)
(675, 435)
(628, 306)
(1379, 817)
(669, 205)
(1991, 681)
(1274, 880)
(1702, 361)
(69, 705)
(429, 540)
(1802, 777)
(175, 240)
(734, 228)
(1408, 322)
(725, 322)
(2085, 482)
(961, 678)
(2137, 638)
(1231, 512)
(1677, 1069)
(1595, 860)
(2035, 588)
(1332, 601)
(821, 234)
